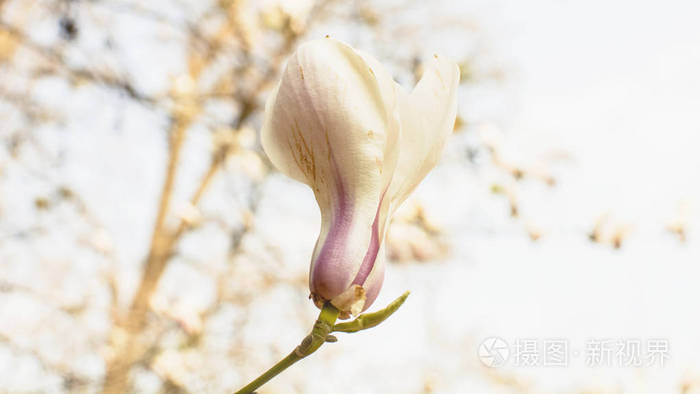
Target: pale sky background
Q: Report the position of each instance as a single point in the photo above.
(615, 85)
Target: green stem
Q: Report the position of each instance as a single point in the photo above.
(313, 341)
(270, 373)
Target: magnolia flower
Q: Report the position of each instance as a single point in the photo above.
(339, 123)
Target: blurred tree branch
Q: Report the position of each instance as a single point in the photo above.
(232, 56)
(55, 63)
(164, 241)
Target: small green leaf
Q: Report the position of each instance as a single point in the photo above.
(369, 320)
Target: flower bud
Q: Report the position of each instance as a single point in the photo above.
(339, 123)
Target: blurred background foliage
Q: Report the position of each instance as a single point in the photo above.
(147, 245)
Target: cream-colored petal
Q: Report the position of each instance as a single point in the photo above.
(351, 301)
(332, 123)
(331, 120)
(427, 118)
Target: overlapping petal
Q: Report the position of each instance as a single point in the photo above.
(339, 123)
(332, 123)
(427, 118)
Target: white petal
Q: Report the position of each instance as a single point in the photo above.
(332, 123)
(427, 118)
(331, 117)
